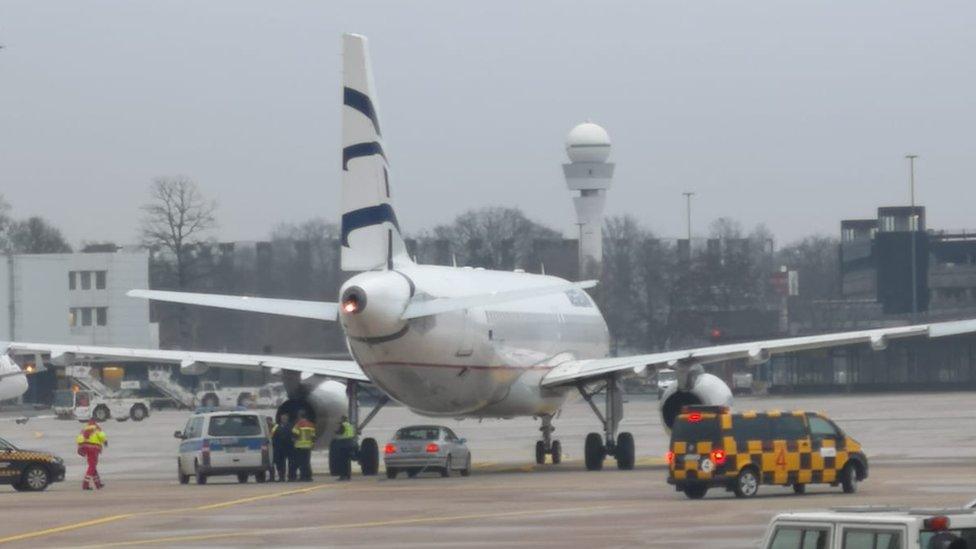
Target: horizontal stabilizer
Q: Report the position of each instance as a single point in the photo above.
(421, 308)
(319, 310)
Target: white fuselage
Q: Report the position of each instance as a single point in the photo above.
(482, 361)
(13, 382)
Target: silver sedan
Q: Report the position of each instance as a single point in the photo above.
(422, 448)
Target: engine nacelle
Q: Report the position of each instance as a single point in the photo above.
(324, 402)
(706, 389)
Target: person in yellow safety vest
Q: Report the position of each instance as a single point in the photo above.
(346, 446)
(304, 435)
(90, 442)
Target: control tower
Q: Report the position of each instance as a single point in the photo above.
(588, 148)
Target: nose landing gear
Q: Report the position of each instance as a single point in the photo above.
(620, 446)
(547, 446)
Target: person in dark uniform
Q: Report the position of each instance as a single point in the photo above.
(345, 437)
(284, 448)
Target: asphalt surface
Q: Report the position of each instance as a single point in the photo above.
(922, 449)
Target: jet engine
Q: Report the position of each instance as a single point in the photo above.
(700, 389)
(324, 402)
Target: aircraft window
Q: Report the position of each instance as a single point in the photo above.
(867, 539)
(234, 426)
(794, 537)
(788, 427)
(418, 433)
(820, 427)
(750, 428)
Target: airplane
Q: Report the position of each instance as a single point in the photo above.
(463, 342)
(13, 379)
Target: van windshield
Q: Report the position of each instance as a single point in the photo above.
(234, 426)
(694, 431)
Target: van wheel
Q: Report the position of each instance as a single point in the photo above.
(799, 488)
(184, 479)
(848, 478)
(242, 478)
(261, 477)
(101, 413)
(696, 491)
(201, 477)
(747, 483)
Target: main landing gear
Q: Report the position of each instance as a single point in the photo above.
(620, 446)
(547, 446)
(367, 451)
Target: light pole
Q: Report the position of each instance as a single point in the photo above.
(688, 195)
(913, 228)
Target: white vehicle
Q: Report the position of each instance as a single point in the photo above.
(873, 528)
(742, 382)
(211, 395)
(461, 342)
(84, 405)
(666, 377)
(271, 395)
(225, 443)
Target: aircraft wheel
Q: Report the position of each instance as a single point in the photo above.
(138, 412)
(594, 452)
(624, 451)
(369, 457)
(556, 452)
(540, 452)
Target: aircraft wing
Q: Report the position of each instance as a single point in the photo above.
(193, 360)
(756, 352)
(318, 310)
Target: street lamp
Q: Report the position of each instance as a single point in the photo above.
(688, 195)
(913, 228)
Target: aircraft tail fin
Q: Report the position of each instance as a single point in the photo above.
(371, 236)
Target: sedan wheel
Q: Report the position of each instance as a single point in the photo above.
(36, 478)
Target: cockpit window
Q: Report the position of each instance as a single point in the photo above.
(579, 298)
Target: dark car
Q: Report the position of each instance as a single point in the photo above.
(29, 470)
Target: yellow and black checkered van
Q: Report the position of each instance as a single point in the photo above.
(711, 446)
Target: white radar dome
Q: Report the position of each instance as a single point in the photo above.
(588, 142)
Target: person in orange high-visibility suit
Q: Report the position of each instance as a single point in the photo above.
(90, 441)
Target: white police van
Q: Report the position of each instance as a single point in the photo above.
(225, 443)
(873, 528)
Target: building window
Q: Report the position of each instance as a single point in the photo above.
(72, 317)
(86, 316)
(101, 316)
(100, 280)
(71, 280)
(86, 280)
(848, 235)
(887, 223)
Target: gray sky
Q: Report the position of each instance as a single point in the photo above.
(795, 114)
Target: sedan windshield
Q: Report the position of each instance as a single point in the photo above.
(418, 433)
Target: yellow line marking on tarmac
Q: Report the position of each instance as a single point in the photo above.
(64, 528)
(369, 524)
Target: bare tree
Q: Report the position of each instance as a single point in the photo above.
(493, 237)
(36, 236)
(315, 230)
(176, 220)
